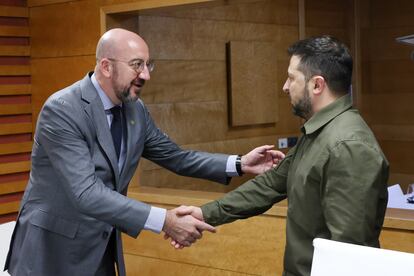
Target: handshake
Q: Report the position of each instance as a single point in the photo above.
(184, 225)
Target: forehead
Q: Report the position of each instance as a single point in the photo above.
(135, 49)
(293, 65)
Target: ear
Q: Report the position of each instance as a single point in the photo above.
(105, 67)
(318, 85)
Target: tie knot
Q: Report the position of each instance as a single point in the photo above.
(116, 110)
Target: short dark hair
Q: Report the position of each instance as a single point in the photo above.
(325, 56)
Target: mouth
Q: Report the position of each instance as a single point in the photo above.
(138, 84)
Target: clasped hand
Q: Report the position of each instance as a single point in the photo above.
(185, 225)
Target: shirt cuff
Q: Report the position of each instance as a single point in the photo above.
(155, 220)
(231, 166)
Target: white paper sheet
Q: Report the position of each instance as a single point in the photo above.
(343, 259)
(396, 198)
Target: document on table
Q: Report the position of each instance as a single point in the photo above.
(397, 199)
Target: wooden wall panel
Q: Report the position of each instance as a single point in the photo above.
(34, 3)
(142, 265)
(15, 128)
(15, 89)
(395, 76)
(14, 167)
(208, 82)
(328, 18)
(14, 31)
(394, 132)
(14, 70)
(193, 39)
(72, 29)
(12, 187)
(381, 44)
(178, 121)
(399, 240)
(16, 109)
(240, 11)
(225, 146)
(388, 83)
(391, 14)
(13, 11)
(392, 108)
(40, 3)
(8, 50)
(154, 176)
(196, 38)
(15, 148)
(252, 83)
(15, 106)
(399, 154)
(66, 70)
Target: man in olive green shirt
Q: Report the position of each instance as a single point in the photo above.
(335, 178)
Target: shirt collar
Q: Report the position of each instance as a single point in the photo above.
(326, 114)
(106, 101)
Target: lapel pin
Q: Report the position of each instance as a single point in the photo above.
(132, 122)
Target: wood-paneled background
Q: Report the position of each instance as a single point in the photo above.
(187, 94)
(46, 45)
(188, 91)
(388, 82)
(15, 105)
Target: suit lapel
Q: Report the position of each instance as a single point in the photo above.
(95, 110)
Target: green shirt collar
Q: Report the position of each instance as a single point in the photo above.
(327, 113)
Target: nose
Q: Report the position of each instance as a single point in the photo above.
(286, 87)
(145, 74)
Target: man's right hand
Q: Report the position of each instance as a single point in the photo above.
(184, 227)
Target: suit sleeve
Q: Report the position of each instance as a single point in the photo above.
(60, 133)
(355, 194)
(250, 199)
(161, 150)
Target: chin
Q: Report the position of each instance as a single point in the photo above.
(136, 93)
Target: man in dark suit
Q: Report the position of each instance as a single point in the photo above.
(89, 139)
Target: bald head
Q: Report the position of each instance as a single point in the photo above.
(118, 54)
(119, 43)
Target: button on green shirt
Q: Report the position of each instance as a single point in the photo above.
(335, 180)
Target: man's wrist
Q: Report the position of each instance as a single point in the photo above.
(239, 165)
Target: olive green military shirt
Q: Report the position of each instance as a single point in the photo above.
(335, 180)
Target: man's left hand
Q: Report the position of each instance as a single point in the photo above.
(261, 159)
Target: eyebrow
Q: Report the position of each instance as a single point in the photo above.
(136, 59)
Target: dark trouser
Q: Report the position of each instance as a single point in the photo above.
(107, 265)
